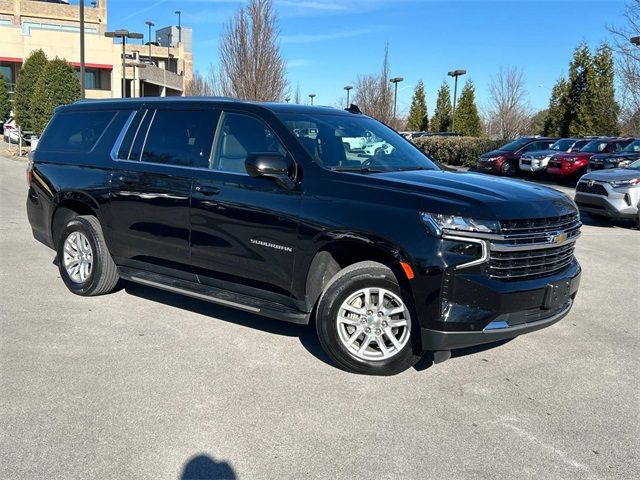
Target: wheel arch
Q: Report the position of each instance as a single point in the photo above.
(68, 204)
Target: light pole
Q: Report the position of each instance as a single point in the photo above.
(348, 88)
(455, 74)
(123, 34)
(170, 37)
(150, 24)
(82, 79)
(287, 99)
(635, 41)
(395, 81)
(311, 96)
(179, 13)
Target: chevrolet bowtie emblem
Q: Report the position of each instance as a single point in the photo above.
(559, 238)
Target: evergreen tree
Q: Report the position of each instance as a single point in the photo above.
(58, 85)
(5, 104)
(606, 109)
(557, 122)
(441, 120)
(538, 122)
(418, 116)
(580, 96)
(467, 116)
(25, 87)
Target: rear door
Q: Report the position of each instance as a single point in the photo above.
(151, 187)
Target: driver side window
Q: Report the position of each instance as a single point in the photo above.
(239, 136)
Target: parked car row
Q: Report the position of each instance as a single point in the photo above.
(11, 134)
(561, 158)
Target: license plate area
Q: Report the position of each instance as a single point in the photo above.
(556, 295)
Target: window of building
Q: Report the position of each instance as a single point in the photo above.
(92, 78)
(180, 137)
(75, 131)
(241, 135)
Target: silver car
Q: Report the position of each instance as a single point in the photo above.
(537, 161)
(611, 194)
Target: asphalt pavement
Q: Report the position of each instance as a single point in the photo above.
(146, 384)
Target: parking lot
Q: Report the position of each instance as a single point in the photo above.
(146, 384)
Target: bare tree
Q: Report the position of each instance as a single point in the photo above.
(251, 65)
(296, 97)
(374, 95)
(628, 67)
(201, 85)
(508, 103)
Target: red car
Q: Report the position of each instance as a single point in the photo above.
(504, 161)
(572, 165)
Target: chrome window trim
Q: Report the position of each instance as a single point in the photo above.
(120, 138)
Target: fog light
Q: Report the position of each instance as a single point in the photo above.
(627, 198)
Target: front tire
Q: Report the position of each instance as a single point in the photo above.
(363, 323)
(85, 264)
(508, 169)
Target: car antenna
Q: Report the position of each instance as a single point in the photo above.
(353, 108)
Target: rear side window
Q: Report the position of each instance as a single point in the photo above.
(179, 137)
(75, 131)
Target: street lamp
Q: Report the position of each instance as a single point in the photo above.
(179, 13)
(82, 79)
(348, 88)
(311, 96)
(150, 24)
(635, 41)
(395, 81)
(455, 74)
(123, 35)
(288, 99)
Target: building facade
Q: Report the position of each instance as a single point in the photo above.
(150, 70)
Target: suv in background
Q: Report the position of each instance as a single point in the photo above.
(611, 193)
(622, 159)
(259, 207)
(572, 165)
(536, 161)
(504, 161)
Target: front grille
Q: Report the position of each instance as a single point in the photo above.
(595, 189)
(555, 164)
(540, 225)
(596, 166)
(528, 264)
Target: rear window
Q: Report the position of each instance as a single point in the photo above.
(75, 131)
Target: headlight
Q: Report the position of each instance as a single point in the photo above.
(624, 183)
(438, 224)
(490, 159)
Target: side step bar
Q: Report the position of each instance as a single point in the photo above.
(219, 296)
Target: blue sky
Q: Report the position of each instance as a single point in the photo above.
(328, 43)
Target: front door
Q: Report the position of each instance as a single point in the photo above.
(151, 188)
(243, 229)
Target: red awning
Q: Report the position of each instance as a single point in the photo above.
(98, 66)
(11, 59)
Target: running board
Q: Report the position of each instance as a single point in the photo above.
(219, 296)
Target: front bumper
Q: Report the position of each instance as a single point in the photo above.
(619, 203)
(533, 165)
(503, 310)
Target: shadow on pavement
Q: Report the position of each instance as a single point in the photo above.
(306, 333)
(427, 360)
(203, 467)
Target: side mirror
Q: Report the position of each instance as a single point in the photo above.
(269, 165)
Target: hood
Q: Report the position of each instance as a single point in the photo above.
(497, 153)
(541, 153)
(567, 155)
(611, 175)
(477, 195)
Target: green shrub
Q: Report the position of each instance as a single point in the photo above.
(5, 104)
(458, 151)
(25, 87)
(58, 85)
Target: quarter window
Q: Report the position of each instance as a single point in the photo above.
(75, 131)
(239, 136)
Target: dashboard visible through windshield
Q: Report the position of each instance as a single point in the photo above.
(355, 143)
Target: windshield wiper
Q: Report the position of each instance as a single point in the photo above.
(358, 169)
(406, 169)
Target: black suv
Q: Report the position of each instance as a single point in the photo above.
(260, 207)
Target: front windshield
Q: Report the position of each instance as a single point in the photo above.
(594, 146)
(513, 146)
(562, 145)
(354, 142)
(633, 147)
(635, 165)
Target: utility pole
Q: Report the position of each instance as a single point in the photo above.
(455, 74)
(82, 79)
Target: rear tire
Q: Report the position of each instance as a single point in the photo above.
(85, 264)
(363, 323)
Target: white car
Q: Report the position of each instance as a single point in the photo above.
(537, 161)
(376, 148)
